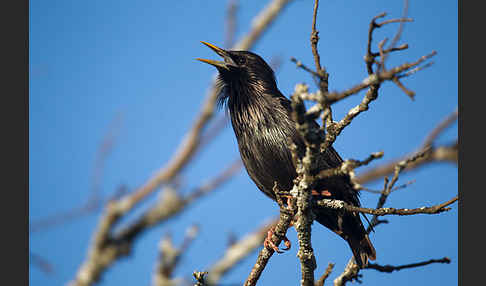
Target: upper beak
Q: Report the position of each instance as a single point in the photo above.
(223, 53)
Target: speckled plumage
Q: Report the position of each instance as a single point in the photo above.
(261, 120)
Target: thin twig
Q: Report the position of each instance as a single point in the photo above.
(299, 64)
(348, 166)
(104, 251)
(392, 190)
(391, 268)
(170, 256)
(407, 91)
(238, 251)
(350, 272)
(199, 276)
(446, 153)
(284, 222)
(260, 23)
(231, 21)
(372, 82)
(341, 205)
(95, 200)
(192, 139)
(107, 246)
(451, 118)
(41, 263)
(399, 32)
(322, 279)
(314, 39)
(377, 78)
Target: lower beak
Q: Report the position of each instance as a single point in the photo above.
(221, 52)
(220, 64)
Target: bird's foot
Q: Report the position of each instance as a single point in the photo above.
(324, 193)
(289, 201)
(268, 243)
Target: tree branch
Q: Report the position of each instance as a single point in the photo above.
(284, 222)
(95, 200)
(391, 268)
(238, 251)
(231, 22)
(447, 153)
(104, 249)
(314, 39)
(170, 256)
(107, 246)
(324, 276)
(341, 205)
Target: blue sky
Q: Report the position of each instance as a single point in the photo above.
(91, 61)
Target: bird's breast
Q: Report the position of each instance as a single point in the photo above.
(263, 141)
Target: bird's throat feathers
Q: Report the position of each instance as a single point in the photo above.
(240, 92)
(255, 107)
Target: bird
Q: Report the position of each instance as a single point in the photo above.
(261, 119)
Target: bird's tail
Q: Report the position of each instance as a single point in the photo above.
(362, 250)
(351, 229)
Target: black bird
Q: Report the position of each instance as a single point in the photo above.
(261, 119)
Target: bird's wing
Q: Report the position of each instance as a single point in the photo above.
(328, 158)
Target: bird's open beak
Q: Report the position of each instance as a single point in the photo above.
(223, 53)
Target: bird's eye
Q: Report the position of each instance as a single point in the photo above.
(241, 61)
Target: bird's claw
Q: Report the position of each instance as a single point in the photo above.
(324, 193)
(287, 243)
(289, 201)
(268, 243)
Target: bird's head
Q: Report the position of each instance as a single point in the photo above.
(242, 72)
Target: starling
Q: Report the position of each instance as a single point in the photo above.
(262, 122)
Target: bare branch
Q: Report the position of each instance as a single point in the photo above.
(341, 205)
(373, 82)
(389, 186)
(299, 64)
(104, 250)
(230, 26)
(398, 35)
(260, 23)
(415, 70)
(324, 276)
(238, 251)
(42, 263)
(63, 217)
(103, 152)
(314, 39)
(304, 230)
(334, 129)
(407, 91)
(451, 118)
(213, 130)
(170, 256)
(391, 268)
(284, 222)
(447, 153)
(350, 272)
(107, 247)
(199, 276)
(348, 166)
(376, 79)
(192, 139)
(95, 201)
(301, 190)
(434, 154)
(392, 190)
(399, 20)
